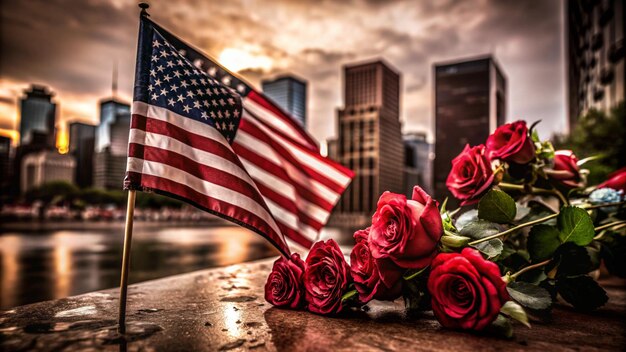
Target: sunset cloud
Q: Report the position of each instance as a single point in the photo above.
(72, 46)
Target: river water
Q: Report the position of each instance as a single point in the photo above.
(44, 264)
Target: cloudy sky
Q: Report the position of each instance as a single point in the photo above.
(72, 46)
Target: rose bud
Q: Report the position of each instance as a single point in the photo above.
(467, 290)
(471, 175)
(406, 231)
(616, 181)
(566, 171)
(373, 278)
(284, 286)
(326, 278)
(511, 142)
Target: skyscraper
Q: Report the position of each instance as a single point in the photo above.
(5, 163)
(470, 102)
(595, 56)
(82, 139)
(289, 93)
(111, 144)
(46, 166)
(109, 110)
(418, 155)
(38, 114)
(369, 135)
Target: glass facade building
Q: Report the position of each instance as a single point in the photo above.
(290, 94)
(109, 110)
(111, 145)
(369, 140)
(595, 56)
(418, 155)
(38, 114)
(470, 102)
(82, 139)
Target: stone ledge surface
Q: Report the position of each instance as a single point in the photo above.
(224, 309)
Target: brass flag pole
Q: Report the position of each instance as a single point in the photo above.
(128, 236)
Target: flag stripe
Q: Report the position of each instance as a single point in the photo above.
(261, 151)
(231, 211)
(275, 113)
(302, 190)
(212, 190)
(199, 157)
(205, 172)
(193, 139)
(317, 162)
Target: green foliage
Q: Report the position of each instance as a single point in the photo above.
(582, 292)
(543, 240)
(515, 311)
(53, 191)
(575, 225)
(599, 133)
(572, 260)
(480, 229)
(529, 295)
(501, 327)
(497, 206)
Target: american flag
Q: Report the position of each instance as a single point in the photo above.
(201, 134)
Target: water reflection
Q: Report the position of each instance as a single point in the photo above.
(56, 264)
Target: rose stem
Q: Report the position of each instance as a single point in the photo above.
(538, 221)
(514, 228)
(618, 225)
(528, 268)
(534, 190)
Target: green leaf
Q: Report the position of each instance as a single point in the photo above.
(575, 225)
(412, 275)
(582, 292)
(515, 311)
(465, 218)
(497, 206)
(348, 295)
(480, 229)
(501, 327)
(529, 295)
(543, 240)
(572, 260)
(491, 248)
(454, 241)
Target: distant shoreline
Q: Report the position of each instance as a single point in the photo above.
(36, 226)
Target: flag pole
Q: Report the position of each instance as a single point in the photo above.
(128, 236)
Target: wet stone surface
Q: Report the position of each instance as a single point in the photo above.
(223, 310)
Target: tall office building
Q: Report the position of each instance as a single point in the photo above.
(46, 166)
(111, 145)
(369, 138)
(38, 114)
(289, 93)
(109, 110)
(470, 102)
(5, 163)
(82, 140)
(418, 155)
(595, 56)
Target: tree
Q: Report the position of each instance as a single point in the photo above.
(599, 134)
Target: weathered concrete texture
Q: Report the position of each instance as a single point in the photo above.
(224, 309)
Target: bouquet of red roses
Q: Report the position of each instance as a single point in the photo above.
(529, 231)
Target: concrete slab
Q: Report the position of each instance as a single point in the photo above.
(223, 309)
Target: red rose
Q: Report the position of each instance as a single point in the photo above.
(511, 142)
(373, 278)
(326, 278)
(471, 175)
(467, 290)
(616, 181)
(566, 171)
(406, 231)
(284, 285)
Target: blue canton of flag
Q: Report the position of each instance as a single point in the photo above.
(178, 85)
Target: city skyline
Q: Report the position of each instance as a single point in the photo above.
(525, 37)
